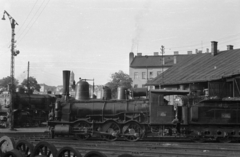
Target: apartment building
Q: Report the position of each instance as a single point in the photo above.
(145, 68)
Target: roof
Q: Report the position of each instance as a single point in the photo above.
(155, 61)
(170, 92)
(201, 68)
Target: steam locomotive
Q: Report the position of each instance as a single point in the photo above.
(28, 109)
(162, 113)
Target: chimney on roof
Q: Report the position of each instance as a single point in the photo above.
(174, 59)
(155, 53)
(229, 47)
(214, 48)
(196, 51)
(207, 50)
(131, 56)
(189, 52)
(175, 52)
(139, 54)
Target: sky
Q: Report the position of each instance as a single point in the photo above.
(93, 38)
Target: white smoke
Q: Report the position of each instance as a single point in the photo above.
(139, 28)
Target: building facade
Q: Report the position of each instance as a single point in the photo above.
(145, 68)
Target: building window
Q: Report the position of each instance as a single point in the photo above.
(151, 75)
(135, 75)
(143, 75)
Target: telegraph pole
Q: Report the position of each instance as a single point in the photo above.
(28, 79)
(13, 53)
(162, 52)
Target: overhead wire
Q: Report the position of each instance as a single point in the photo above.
(19, 30)
(20, 38)
(27, 27)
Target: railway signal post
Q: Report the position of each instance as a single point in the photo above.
(13, 53)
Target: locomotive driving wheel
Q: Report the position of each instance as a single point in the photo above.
(25, 147)
(81, 130)
(68, 152)
(45, 149)
(133, 131)
(112, 130)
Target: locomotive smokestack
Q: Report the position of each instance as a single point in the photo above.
(66, 78)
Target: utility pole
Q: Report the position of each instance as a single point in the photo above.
(13, 53)
(28, 88)
(162, 52)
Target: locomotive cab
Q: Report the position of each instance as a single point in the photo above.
(161, 111)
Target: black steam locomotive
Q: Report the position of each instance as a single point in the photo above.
(28, 109)
(163, 113)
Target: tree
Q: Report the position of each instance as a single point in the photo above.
(33, 84)
(119, 79)
(4, 82)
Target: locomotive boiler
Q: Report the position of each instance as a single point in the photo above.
(139, 113)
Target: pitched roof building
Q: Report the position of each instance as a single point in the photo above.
(144, 68)
(202, 69)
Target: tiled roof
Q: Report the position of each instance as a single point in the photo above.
(154, 61)
(200, 68)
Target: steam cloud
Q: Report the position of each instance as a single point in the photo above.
(139, 28)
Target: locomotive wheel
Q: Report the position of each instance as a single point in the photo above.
(13, 153)
(224, 139)
(132, 131)
(68, 152)
(25, 147)
(82, 127)
(7, 144)
(44, 148)
(112, 129)
(95, 154)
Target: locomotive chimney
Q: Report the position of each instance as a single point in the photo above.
(66, 78)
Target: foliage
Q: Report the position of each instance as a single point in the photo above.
(33, 84)
(119, 79)
(5, 81)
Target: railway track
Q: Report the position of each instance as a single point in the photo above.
(33, 144)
